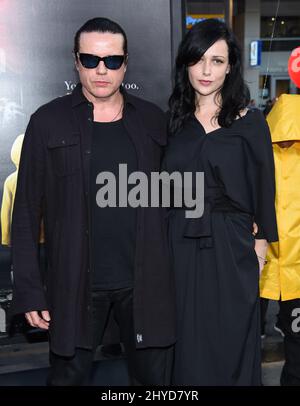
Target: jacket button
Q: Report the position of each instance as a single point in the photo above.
(87, 151)
(63, 142)
(88, 270)
(86, 232)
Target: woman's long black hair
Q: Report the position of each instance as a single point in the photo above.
(234, 93)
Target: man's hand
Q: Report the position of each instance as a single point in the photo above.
(38, 319)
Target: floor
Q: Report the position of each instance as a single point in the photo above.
(26, 364)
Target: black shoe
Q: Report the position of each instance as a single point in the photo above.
(287, 379)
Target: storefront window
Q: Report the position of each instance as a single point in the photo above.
(285, 27)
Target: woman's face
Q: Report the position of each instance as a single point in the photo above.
(208, 74)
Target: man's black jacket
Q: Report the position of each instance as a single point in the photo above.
(53, 184)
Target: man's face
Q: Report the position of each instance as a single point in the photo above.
(100, 82)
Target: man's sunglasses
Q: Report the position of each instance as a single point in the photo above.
(90, 61)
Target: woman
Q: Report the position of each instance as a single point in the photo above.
(216, 258)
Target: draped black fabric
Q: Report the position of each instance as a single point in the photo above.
(213, 257)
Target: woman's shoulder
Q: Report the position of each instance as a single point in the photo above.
(255, 130)
(243, 113)
(253, 122)
(254, 115)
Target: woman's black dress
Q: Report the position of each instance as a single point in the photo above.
(215, 265)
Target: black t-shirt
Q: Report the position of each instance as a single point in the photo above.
(113, 229)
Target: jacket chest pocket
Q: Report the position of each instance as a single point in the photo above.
(65, 155)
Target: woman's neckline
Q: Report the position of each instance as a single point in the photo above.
(222, 128)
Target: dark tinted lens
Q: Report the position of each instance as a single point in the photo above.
(89, 61)
(114, 61)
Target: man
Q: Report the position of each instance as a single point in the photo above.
(280, 279)
(102, 260)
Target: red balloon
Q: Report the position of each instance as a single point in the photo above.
(294, 66)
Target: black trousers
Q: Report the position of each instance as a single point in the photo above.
(264, 303)
(150, 366)
(289, 323)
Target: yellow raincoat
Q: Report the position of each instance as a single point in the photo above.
(9, 191)
(281, 275)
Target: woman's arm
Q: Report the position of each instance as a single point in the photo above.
(261, 247)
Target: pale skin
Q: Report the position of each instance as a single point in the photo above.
(207, 77)
(101, 86)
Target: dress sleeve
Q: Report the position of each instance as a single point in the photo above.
(261, 175)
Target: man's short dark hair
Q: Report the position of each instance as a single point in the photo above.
(100, 24)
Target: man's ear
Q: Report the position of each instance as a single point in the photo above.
(126, 63)
(76, 62)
